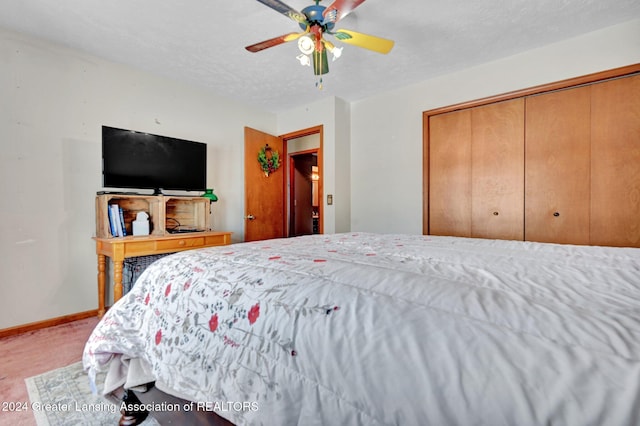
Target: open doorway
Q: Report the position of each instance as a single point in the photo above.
(304, 215)
(304, 184)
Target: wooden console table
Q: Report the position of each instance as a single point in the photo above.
(121, 248)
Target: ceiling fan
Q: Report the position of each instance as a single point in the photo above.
(316, 21)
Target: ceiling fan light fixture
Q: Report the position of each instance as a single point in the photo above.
(335, 51)
(304, 60)
(306, 45)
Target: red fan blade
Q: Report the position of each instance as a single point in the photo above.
(286, 10)
(273, 42)
(342, 8)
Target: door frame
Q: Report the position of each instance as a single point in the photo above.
(319, 130)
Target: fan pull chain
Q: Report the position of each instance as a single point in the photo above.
(319, 82)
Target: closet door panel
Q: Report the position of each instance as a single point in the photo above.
(497, 170)
(450, 174)
(615, 162)
(557, 167)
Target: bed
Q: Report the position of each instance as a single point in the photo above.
(370, 329)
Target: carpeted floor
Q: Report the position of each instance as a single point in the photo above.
(34, 353)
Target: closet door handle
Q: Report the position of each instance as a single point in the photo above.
(556, 214)
(496, 213)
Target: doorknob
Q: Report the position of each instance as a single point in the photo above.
(250, 217)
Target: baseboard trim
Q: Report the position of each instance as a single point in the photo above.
(19, 329)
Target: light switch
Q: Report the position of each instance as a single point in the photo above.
(329, 199)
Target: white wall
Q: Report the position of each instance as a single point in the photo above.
(333, 114)
(303, 143)
(386, 159)
(342, 159)
(54, 102)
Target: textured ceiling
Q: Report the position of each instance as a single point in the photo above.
(202, 41)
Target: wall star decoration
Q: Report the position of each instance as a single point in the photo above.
(269, 160)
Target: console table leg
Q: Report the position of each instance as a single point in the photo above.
(117, 280)
(102, 268)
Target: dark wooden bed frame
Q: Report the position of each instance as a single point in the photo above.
(154, 396)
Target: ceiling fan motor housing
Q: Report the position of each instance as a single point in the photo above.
(314, 17)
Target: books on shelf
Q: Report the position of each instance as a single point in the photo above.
(116, 220)
(123, 227)
(112, 223)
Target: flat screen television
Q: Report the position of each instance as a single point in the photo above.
(140, 160)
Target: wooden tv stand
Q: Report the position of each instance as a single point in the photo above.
(121, 248)
(166, 213)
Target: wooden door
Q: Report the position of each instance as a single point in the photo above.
(615, 162)
(264, 195)
(497, 170)
(450, 174)
(557, 166)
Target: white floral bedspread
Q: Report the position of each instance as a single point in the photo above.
(364, 329)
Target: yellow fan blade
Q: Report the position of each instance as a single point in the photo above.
(366, 41)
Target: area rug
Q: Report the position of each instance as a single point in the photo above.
(63, 397)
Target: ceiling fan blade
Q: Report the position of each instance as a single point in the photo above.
(273, 42)
(286, 10)
(366, 41)
(339, 9)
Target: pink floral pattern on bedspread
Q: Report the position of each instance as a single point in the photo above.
(368, 329)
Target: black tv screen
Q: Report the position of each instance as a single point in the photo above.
(139, 160)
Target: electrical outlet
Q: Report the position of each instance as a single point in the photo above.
(329, 199)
